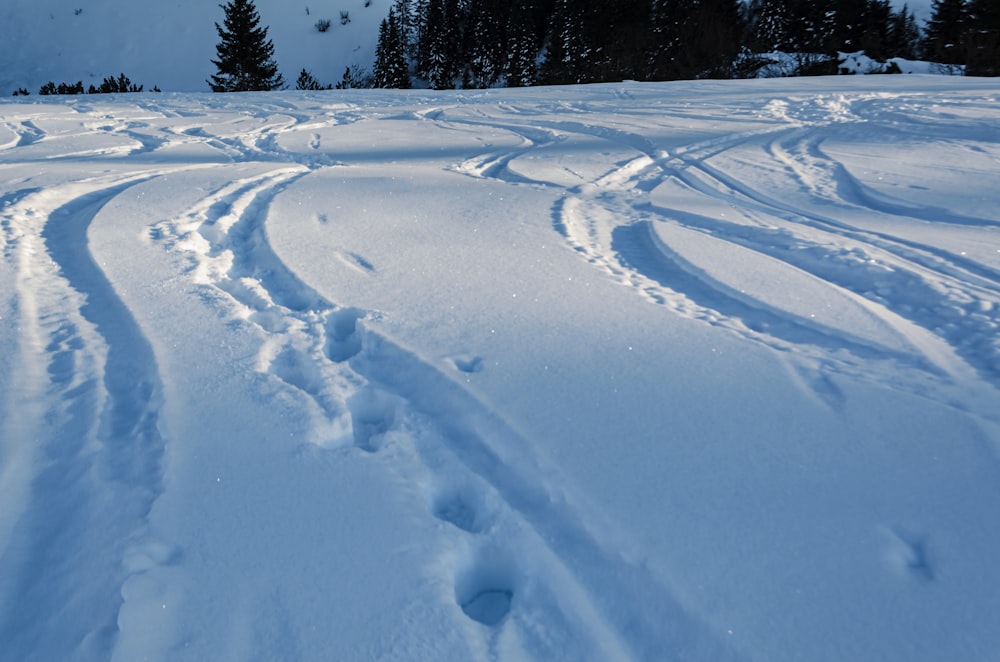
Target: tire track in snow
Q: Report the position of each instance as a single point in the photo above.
(89, 387)
(523, 555)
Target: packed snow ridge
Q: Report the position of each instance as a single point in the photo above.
(700, 371)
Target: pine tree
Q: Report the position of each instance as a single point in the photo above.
(306, 81)
(391, 69)
(246, 55)
(112, 85)
(876, 26)
(982, 39)
(667, 24)
(485, 42)
(407, 29)
(522, 47)
(621, 32)
(904, 35)
(848, 24)
(718, 37)
(770, 21)
(568, 54)
(945, 32)
(812, 27)
(440, 38)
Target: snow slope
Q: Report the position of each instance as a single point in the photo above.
(697, 371)
(171, 44)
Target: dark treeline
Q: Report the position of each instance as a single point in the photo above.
(495, 43)
(488, 43)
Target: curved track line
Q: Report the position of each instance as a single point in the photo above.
(93, 394)
(364, 384)
(964, 294)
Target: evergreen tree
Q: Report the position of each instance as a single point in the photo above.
(876, 26)
(667, 25)
(812, 26)
(407, 28)
(904, 35)
(568, 49)
(485, 41)
(945, 32)
(391, 69)
(522, 47)
(112, 85)
(63, 88)
(982, 39)
(246, 55)
(621, 35)
(354, 77)
(770, 22)
(849, 24)
(439, 54)
(306, 81)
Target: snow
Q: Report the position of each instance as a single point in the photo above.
(701, 370)
(65, 41)
(171, 44)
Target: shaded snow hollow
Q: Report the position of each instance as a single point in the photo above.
(696, 371)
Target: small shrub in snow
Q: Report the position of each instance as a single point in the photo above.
(306, 81)
(21, 92)
(63, 88)
(345, 17)
(112, 85)
(323, 24)
(355, 77)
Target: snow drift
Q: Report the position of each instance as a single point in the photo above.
(641, 371)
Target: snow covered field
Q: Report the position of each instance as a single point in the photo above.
(699, 371)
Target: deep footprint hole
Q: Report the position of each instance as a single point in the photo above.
(468, 364)
(489, 607)
(485, 590)
(373, 413)
(343, 341)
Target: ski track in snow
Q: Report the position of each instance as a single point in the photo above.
(358, 381)
(80, 348)
(89, 389)
(366, 390)
(915, 285)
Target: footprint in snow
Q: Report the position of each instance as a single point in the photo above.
(343, 341)
(485, 589)
(373, 413)
(464, 507)
(468, 364)
(908, 554)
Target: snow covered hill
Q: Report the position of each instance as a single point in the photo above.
(171, 44)
(699, 371)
